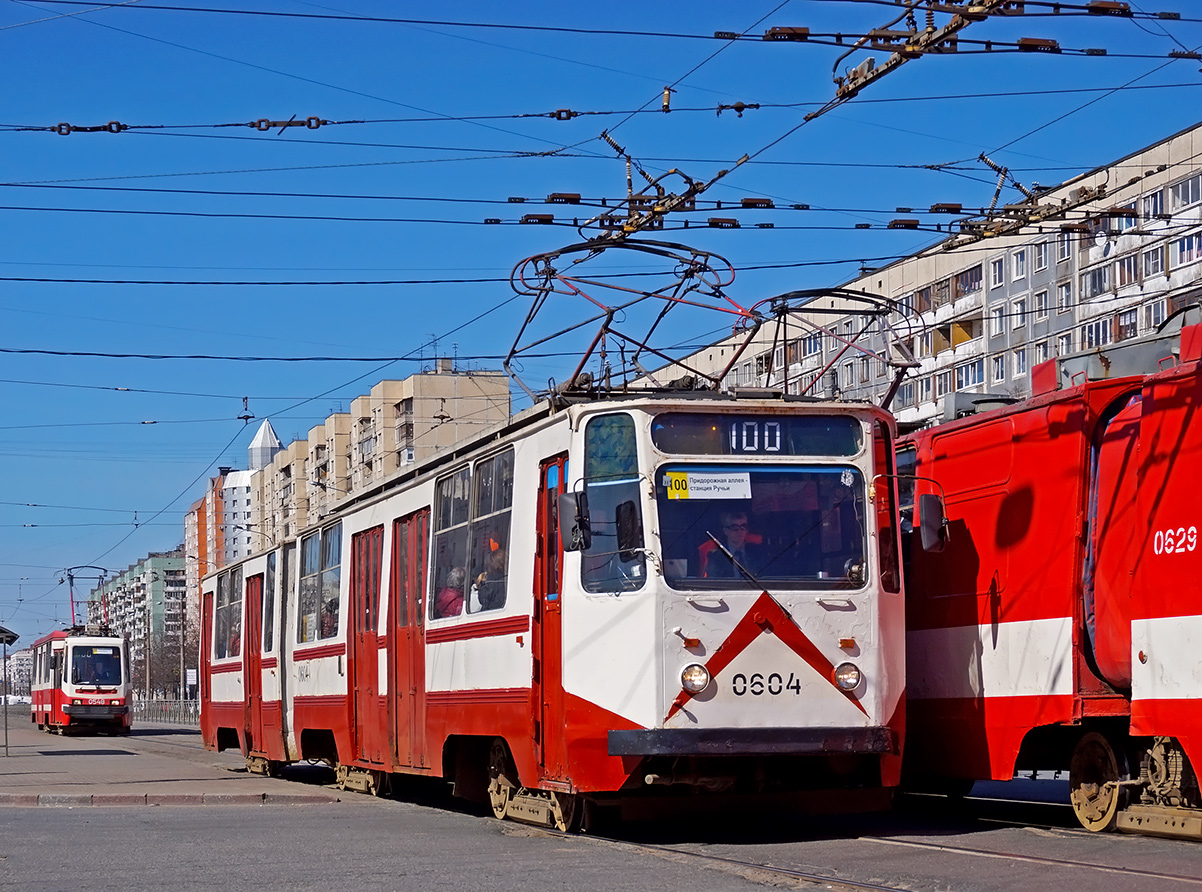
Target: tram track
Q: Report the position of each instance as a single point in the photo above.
(750, 870)
(806, 879)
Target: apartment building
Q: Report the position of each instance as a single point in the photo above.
(1100, 259)
(388, 430)
(147, 603)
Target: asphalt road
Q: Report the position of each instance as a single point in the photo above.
(324, 839)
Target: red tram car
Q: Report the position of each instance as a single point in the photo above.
(81, 682)
(1057, 626)
(548, 615)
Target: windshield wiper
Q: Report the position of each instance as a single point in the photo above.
(747, 573)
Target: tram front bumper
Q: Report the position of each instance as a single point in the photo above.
(753, 741)
(96, 711)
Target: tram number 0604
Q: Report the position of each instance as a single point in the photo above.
(759, 684)
(1178, 541)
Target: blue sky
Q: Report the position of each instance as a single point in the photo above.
(455, 120)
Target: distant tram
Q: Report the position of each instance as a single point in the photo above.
(604, 603)
(81, 682)
(1059, 625)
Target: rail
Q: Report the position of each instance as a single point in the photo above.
(176, 712)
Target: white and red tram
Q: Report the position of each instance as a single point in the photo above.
(81, 682)
(550, 613)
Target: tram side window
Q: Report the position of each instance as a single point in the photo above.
(321, 577)
(269, 605)
(886, 511)
(492, 506)
(614, 560)
(227, 637)
(452, 507)
(221, 618)
(472, 509)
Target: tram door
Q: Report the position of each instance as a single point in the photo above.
(548, 619)
(406, 639)
(252, 644)
(366, 556)
(206, 653)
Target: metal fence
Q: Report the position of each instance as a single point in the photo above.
(174, 712)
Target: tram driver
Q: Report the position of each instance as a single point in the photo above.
(743, 545)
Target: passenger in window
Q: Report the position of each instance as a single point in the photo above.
(235, 647)
(329, 619)
(742, 544)
(489, 590)
(449, 600)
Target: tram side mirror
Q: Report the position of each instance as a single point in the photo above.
(575, 531)
(630, 530)
(932, 525)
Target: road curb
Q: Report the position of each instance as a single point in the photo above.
(79, 800)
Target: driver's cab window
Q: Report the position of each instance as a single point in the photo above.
(614, 560)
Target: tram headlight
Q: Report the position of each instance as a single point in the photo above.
(847, 676)
(694, 678)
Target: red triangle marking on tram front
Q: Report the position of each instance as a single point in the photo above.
(766, 614)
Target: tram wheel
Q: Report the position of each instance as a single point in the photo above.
(340, 775)
(566, 811)
(502, 778)
(1094, 775)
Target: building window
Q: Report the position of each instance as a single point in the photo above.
(1153, 205)
(849, 375)
(1064, 297)
(864, 368)
(1019, 362)
(1153, 262)
(1018, 264)
(1154, 314)
(1041, 351)
(925, 389)
(1096, 281)
(968, 281)
(1126, 218)
(943, 383)
(1127, 325)
(1096, 334)
(1018, 313)
(1041, 305)
(1126, 270)
(1064, 344)
(1187, 250)
(997, 273)
(1039, 256)
(1064, 246)
(905, 395)
(970, 374)
(999, 368)
(997, 321)
(1186, 192)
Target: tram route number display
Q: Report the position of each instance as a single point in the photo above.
(757, 684)
(1175, 541)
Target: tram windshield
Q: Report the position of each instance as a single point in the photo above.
(788, 527)
(93, 664)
